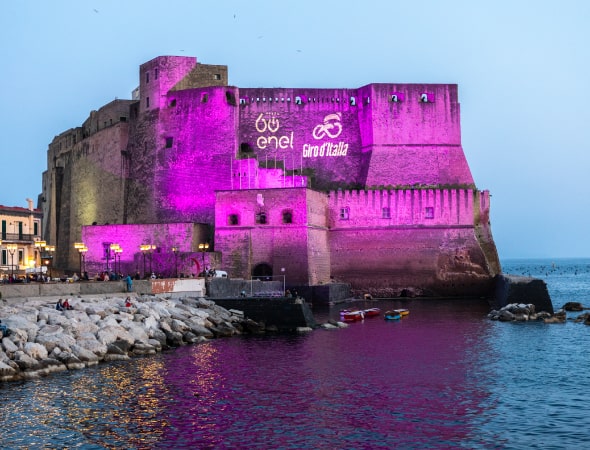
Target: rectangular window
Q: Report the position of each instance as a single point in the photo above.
(345, 213)
(386, 213)
(287, 216)
(4, 229)
(147, 102)
(169, 142)
(230, 97)
(204, 97)
(147, 77)
(4, 257)
(36, 228)
(156, 73)
(429, 212)
(233, 219)
(261, 218)
(217, 76)
(21, 256)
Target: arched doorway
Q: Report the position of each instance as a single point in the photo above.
(262, 271)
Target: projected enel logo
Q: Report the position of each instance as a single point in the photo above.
(331, 128)
(271, 125)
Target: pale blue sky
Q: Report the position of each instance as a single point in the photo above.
(522, 69)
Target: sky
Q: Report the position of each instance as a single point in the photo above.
(521, 66)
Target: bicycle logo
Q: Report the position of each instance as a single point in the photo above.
(331, 127)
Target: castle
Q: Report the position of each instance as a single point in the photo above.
(366, 186)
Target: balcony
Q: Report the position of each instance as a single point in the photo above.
(18, 237)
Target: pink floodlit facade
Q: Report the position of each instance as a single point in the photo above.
(367, 186)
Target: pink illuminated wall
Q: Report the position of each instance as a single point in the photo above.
(162, 260)
(374, 177)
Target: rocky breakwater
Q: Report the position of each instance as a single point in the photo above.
(520, 312)
(42, 340)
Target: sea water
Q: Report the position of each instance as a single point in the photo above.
(445, 376)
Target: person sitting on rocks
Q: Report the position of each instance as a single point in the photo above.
(59, 305)
(4, 331)
(66, 304)
(128, 302)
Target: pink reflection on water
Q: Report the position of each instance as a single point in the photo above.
(374, 383)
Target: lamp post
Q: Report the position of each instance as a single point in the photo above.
(175, 250)
(203, 247)
(145, 249)
(11, 249)
(40, 245)
(117, 250)
(82, 249)
(51, 249)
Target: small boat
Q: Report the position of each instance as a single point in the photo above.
(348, 315)
(392, 315)
(372, 312)
(403, 312)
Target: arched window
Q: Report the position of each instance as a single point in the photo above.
(233, 219)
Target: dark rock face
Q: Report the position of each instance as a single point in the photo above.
(573, 306)
(512, 289)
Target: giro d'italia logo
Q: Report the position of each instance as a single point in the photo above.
(331, 128)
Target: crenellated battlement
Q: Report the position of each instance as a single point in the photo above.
(434, 207)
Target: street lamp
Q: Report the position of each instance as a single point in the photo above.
(51, 249)
(145, 249)
(82, 249)
(203, 247)
(175, 250)
(117, 250)
(11, 249)
(40, 245)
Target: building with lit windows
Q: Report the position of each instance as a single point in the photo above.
(21, 230)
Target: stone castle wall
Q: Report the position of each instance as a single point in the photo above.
(377, 170)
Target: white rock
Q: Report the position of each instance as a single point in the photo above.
(35, 350)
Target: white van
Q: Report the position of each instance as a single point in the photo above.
(220, 274)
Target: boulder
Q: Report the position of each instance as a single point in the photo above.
(573, 306)
(52, 340)
(84, 355)
(35, 350)
(72, 362)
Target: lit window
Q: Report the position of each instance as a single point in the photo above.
(386, 213)
(345, 213)
(429, 212)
